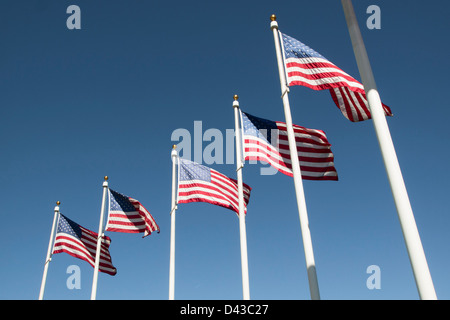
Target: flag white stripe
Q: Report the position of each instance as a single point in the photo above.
(329, 80)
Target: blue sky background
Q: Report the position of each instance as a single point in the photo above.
(76, 105)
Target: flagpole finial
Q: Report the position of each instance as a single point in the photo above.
(236, 102)
(174, 152)
(106, 178)
(57, 206)
(273, 23)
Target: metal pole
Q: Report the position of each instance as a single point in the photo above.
(298, 183)
(174, 156)
(242, 228)
(410, 233)
(99, 241)
(49, 251)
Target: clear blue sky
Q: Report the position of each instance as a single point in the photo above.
(76, 105)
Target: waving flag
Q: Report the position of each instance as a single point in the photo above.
(197, 183)
(306, 67)
(128, 215)
(314, 150)
(81, 243)
(353, 105)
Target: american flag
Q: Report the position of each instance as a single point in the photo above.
(306, 67)
(314, 151)
(128, 215)
(197, 183)
(81, 243)
(353, 105)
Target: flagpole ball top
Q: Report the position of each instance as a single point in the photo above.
(236, 102)
(106, 178)
(273, 23)
(57, 206)
(174, 152)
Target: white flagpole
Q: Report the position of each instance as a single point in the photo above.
(174, 155)
(49, 250)
(242, 228)
(410, 233)
(298, 183)
(99, 241)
